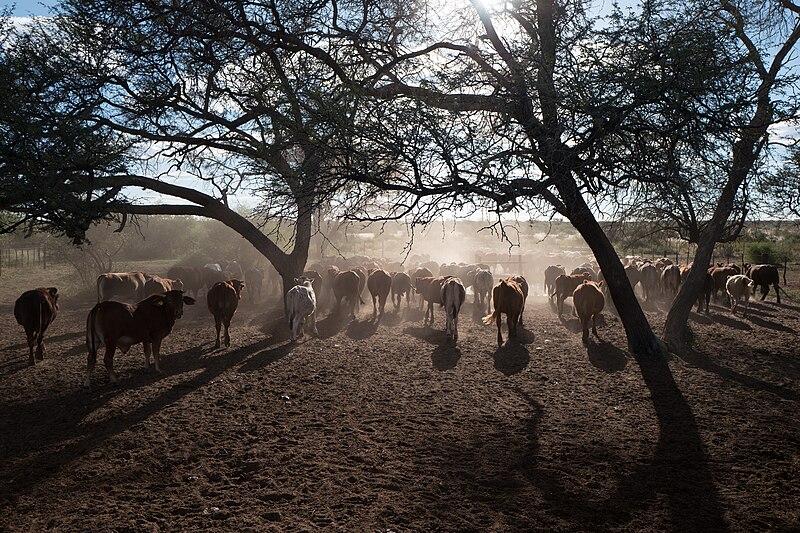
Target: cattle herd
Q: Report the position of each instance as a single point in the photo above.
(135, 307)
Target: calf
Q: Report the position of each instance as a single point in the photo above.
(763, 276)
(127, 286)
(565, 286)
(588, 300)
(222, 300)
(117, 324)
(379, 284)
(739, 286)
(430, 289)
(401, 284)
(301, 304)
(453, 296)
(508, 299)
(483, 290)
(346, 285)
(35, 310)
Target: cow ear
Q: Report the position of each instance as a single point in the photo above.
(188, 300)
(53, 291)
(297, 281)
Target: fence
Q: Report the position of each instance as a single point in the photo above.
(23, 257)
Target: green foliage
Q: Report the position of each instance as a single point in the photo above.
(764, 252)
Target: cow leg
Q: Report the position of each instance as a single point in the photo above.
(91, 361)
(40, 345)
(148, 350)
(218, 326)
(157, 354)
(764, 291)
(108, 359)
(584, 329)
(594, 327)
(227, 323)
(777, 293)
(499, 333)
(31, 337)
(511, 321)
(455, 328)
(374, 307)
(312, 318)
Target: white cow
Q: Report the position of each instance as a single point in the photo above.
(301, 304)
(739, 286)
(453, 295)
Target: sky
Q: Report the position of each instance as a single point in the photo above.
(28, 8)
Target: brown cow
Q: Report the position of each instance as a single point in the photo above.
(507, 298)
(670, 280)
(192, 278)
(127, 286)
(720, 275)
(705, 294)
(588, 300)
(430, 288)
(422, 272)
(565, 286)
(650, 279)
(212, 276)
(523, 284)
(35, 310)
(401, 284)
(346, 285)
(379, 284)
(222, 300)
(159, 285)
(117, 324)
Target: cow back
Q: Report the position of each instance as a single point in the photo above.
(35, 309)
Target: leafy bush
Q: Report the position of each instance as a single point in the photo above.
(764, 252)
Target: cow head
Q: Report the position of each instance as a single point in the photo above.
(237, 285)
(53, 292)
(302, 280)
(174, 300)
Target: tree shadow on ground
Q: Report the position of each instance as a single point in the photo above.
(445, 357)
(706, 363)
(730, 322)
(59, 430)
(769, 324)
(511, 358)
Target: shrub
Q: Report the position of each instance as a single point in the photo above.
(764, 252)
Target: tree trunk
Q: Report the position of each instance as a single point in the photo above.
(641, 339)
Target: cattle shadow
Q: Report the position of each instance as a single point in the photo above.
(606, 356)
(445, 357)
(427, 334)
(264, 358)
(511, 358)
(332, 324)
(700, 318)
(47, 339)
(361, 329)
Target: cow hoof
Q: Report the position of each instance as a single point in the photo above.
(216, 346)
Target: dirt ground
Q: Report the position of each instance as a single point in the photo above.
(389, 428)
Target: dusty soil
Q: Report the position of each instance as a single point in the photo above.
(389, 428)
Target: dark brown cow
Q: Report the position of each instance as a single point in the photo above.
(705, 294)
(507, 298)
(764, 276)
(430, 288)
(212, 276)
(346, 285)
(117, 324)
(550, 275)
(401, 284)
(589, 300)
(222, 300)
(650, 279)
(254, 279)
(379, 284)
(720, 275)
(126, 286)
(670, 280)
(192, 278)
(565, 286)
(422, 272)
(35, 310)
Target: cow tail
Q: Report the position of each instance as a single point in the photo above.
(488, 319)
(91, 331)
